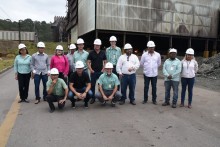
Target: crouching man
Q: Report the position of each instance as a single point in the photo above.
(79, 85)
(108, 84)
(57, 90)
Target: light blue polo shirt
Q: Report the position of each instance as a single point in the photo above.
(173, 68)
(108, 82)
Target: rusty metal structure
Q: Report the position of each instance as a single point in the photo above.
(168, 22)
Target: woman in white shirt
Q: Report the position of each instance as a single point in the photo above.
(189, 69)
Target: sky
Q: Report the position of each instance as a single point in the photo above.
(40, 10)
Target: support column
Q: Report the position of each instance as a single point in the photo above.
(190, 42)
(206, 51)
(214, 51)
(124, 41)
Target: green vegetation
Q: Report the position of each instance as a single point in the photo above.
(5, 63)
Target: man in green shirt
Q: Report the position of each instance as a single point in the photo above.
(57, 90)
(108, 83)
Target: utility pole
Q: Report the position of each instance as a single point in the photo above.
(19, 31)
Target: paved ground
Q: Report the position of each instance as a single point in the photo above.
(127, 125)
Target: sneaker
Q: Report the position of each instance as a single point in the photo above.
(86, 105)
(166, 104)
(92, 101)
(26, 101)
(144, 102)
(155, 102)
(37, 101)
(73, 105)
(181, 105)
(122, 102)
(113, 104)
(173, 105)
(132, 102)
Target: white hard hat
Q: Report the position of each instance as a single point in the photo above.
(80, 41)
(41, 44)
(108, 65)
(113, 38)
(72, 46)
(20, 46)
(172, 50)
(127, 46)
(59, 47)
(190, 51)
(54, 71)
(79, 64)
(151, 44)
(97, 42)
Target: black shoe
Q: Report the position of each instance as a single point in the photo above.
(144, 102)
(86, 105)
(155, 102)
(37, 101)
(92, 101)
(166, 104)
(122, 102)
(173, 105)
(45, 99)
(113, 104)
(103, 103)
(132, 102)
(73, 105)
(20, 101)
(26, 101)
(52, 110)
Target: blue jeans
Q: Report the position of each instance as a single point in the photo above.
(128, 80)
(88, 95)
(190, 83)
(37, 79)
(174, 85)
(94, 77)
(153, 81)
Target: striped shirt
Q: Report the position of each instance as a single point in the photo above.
(40, 63)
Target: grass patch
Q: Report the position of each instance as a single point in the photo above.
(5, 63)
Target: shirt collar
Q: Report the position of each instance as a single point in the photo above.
(39, 53)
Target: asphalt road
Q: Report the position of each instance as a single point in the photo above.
(123, 126)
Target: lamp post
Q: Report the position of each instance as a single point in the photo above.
(19, 31)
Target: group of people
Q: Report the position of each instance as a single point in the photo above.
(74, 76)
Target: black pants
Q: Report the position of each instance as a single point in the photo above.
(23, 85)
(61, 75)
(54, 98)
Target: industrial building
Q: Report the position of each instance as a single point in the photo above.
(169, 23)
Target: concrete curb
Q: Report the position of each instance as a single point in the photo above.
(4, 70)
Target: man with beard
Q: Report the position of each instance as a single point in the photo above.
(126, 67)
(171, 72)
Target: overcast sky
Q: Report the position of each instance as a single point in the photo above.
(41, 10)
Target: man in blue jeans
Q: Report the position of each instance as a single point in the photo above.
(79, 85)
(127, 66)
(150, 60)
(171, 71)
(40, 67)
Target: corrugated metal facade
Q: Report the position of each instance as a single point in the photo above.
(198, 18)
(14, 35)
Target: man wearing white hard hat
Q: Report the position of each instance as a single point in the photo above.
(171, 71)
(70, 57)
(57, 90)
(127, 66)
(81, 54)
(96, 63)
(189, 69)
(108, 85)
(80, 85)
(40, 66)
(113, 53)
(150, 60)
(22, 71)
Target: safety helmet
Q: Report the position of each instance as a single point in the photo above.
(20, 46)
(108, 65)
(72, 46)
(97, 42)
(151, 44)
(59, 47)
(79, 64)
(80, 41)
(190, 51)
(172, 50)
(54, 71)
(127, 46)
(113, 38)
(41, 44)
